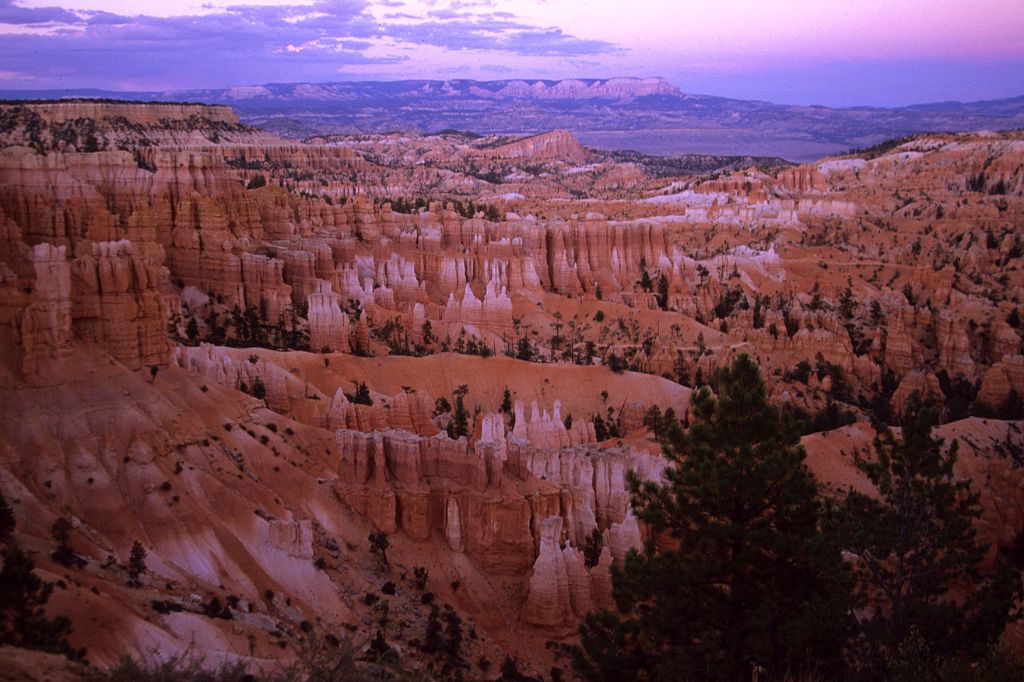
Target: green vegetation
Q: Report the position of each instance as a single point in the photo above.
(884, 147)
(379, 544)
(751, 581)
(361, 396)
(908, 546)
(136, 563)
(318, 659)
(754, 581)
(24, 595)
(459, 424)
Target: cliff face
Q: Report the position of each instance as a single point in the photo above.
(90, 126)
(558, 144)
(152, 114)
(308, 317)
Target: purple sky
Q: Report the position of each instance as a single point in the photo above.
(832, 52)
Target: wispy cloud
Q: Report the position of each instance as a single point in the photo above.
(256, 43)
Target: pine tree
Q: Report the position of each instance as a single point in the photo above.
(645, 283)
(453, 637)
(259, 389)
(7, 522)
(663, 292)
(192, 330)
(432, 639)
(136, 563)
(751, 581)
(459, 424)
(61, 532)
(592, 546)
(379, 544)
(362, 394)
(23, 597)
(379, 649)
(909, 544)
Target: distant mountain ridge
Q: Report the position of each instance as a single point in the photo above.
(649, 115)
(565, 89)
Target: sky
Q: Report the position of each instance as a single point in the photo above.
(829, 52)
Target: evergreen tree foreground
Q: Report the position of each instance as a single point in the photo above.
(742, 578)
(911, 545)
(747, 577)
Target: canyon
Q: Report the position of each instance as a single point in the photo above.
(255, 355)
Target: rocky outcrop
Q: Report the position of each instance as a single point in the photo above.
(329, 327)
(293, 537)
(954, 347)
(547, 430)
(622, 537)
(1001, 382)
(924, 385)
(558, 144)
(549, 601)
(155, 114)
(899, 345)
(119, 304)
(45, 322)
(601, 581)
(493, 313)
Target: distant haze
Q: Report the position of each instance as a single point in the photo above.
(836, 53)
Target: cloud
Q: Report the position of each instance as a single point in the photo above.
(500, 35)
(497, 68)
(243, 43)
(25, 16)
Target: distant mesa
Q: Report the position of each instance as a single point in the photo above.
(613, 88)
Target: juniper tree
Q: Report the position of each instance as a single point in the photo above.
(746, 578)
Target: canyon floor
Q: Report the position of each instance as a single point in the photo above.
(345, 387)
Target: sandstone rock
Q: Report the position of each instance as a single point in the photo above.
(580, 590)
(954, 347)
(601, 580)
(549, 603)
(1002, 379)
(328, 325)
(492, 313)
(293, 537)
(558, 144)
(898, 348)
(45, 329)
(623, 537)
(924, 384)
(118, 304)
(453, 525)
